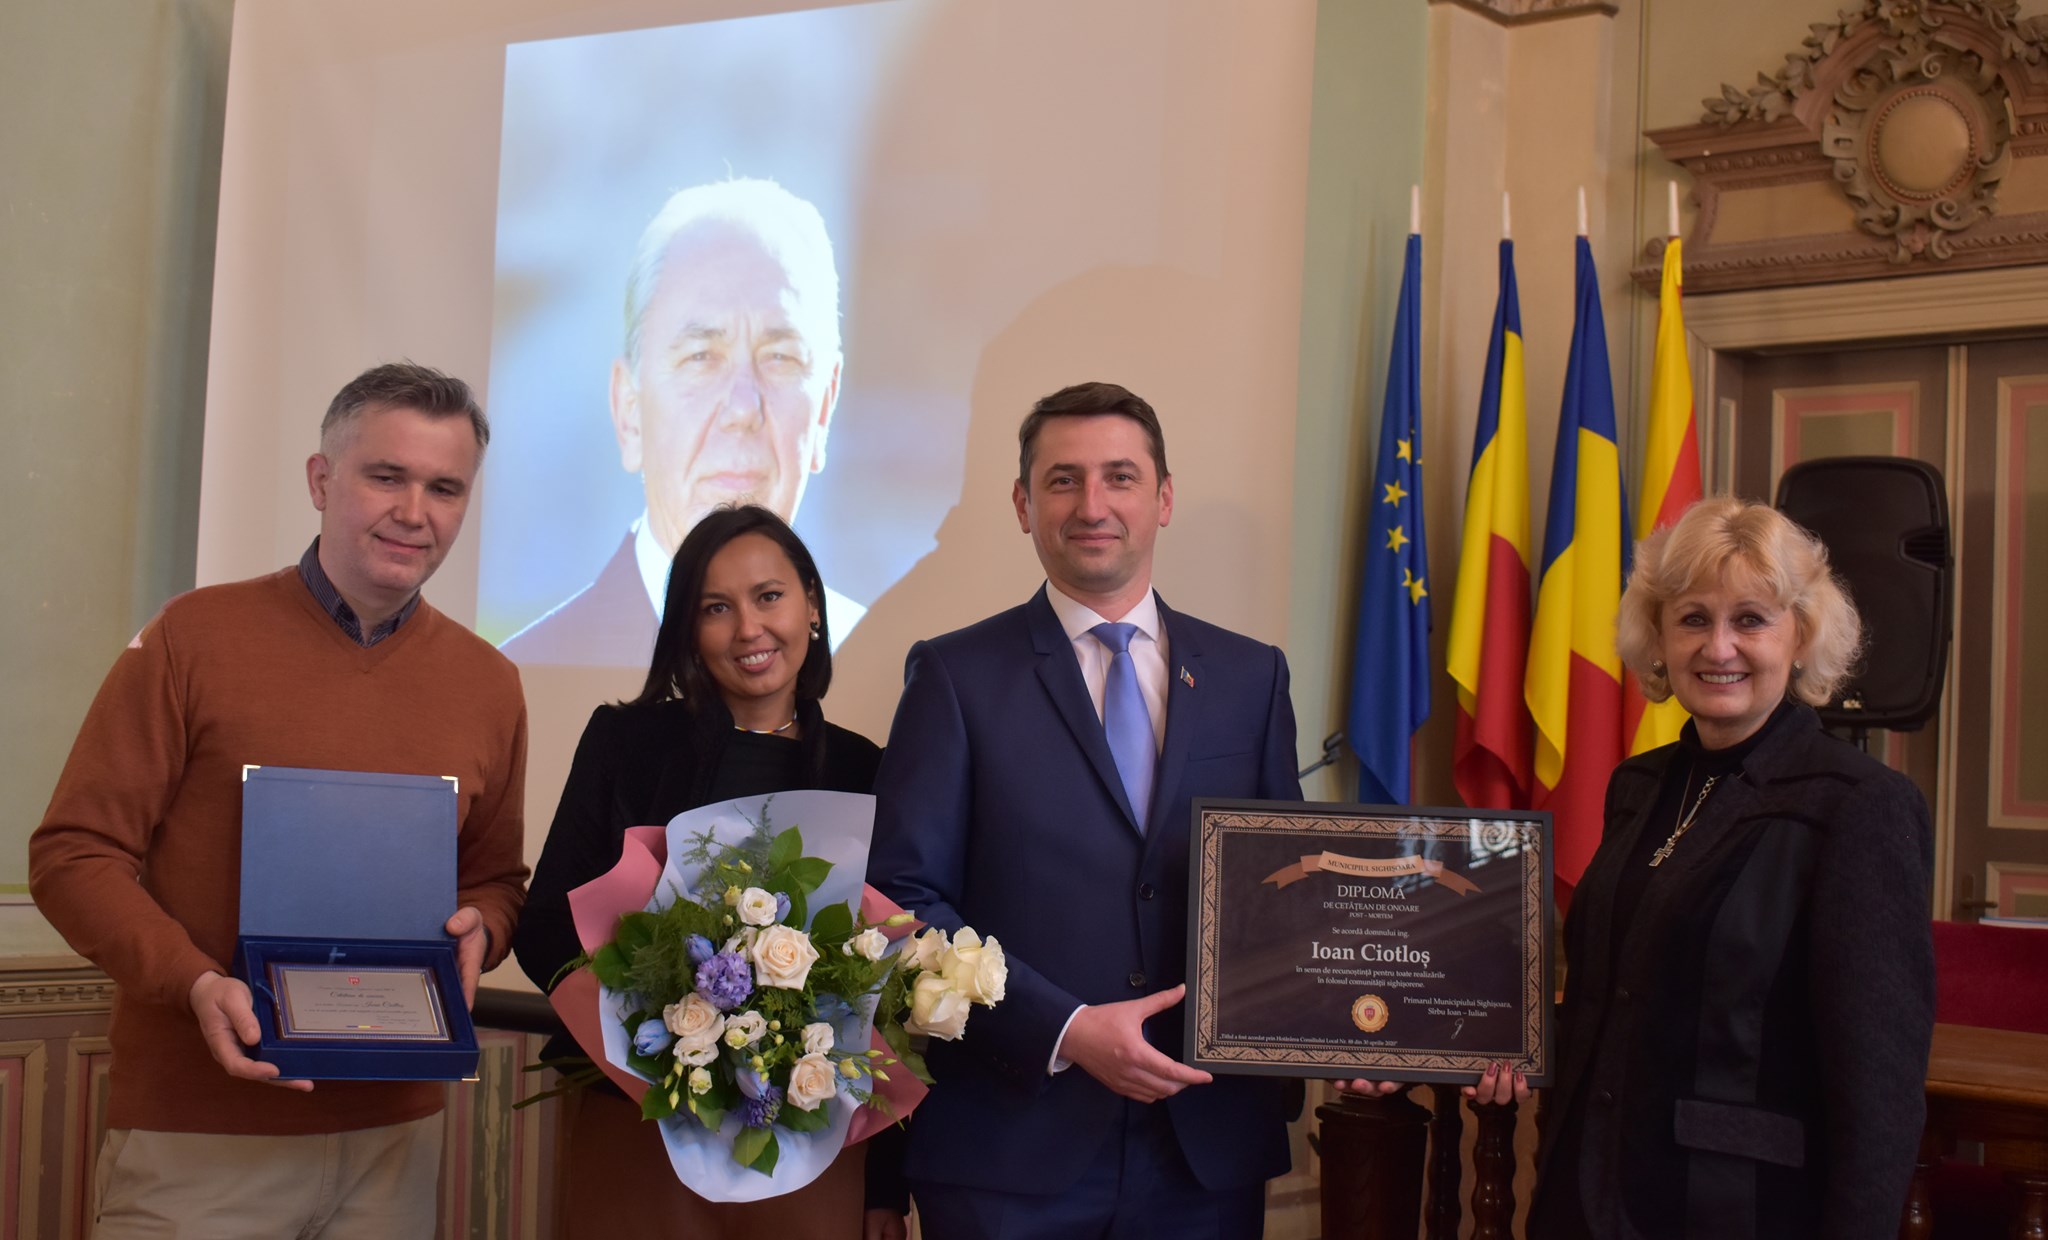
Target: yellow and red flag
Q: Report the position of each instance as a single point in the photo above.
(1573, 684)
(1489, 641)
(1671, 481)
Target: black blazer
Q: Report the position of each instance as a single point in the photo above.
(1750, 1060)
(640, 766)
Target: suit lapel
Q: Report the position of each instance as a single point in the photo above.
(1183, 715)
(1060, 672)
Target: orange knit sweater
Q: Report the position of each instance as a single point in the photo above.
(138, 860)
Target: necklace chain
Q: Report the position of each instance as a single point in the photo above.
(740, 727)
(1684, 822)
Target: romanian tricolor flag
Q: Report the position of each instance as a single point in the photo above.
(1574, 677)
(1490, 616)
(1390, 655)
(1671, 481)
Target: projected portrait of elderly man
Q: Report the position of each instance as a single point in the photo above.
(723, 394)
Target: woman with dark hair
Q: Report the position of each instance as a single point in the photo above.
(730, 709)
(1750, 994)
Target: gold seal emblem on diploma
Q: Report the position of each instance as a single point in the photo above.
(1369, 1013)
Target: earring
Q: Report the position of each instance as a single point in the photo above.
(1657, 668)
(1798, 669)
(814, 632)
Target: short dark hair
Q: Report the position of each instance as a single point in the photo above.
(677, 670)
(403, 385)
(1089, 400)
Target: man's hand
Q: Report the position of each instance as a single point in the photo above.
(227, 1020)
(1108, 1042)
(884, 1225)
(467, 927)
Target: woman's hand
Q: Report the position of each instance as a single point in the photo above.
(1498, 1087)
(1372, 1089)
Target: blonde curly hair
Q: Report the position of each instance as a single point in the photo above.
(1725, 539)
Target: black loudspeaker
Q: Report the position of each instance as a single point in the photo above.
(1884, 520)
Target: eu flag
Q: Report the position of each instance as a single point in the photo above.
(1390, 656)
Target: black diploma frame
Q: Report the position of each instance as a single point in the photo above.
(1386, 942)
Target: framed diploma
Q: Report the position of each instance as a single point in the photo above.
(1384, 942)
(345, 1003)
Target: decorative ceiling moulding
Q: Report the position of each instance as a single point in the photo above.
(1905, 138)
(1522, 12)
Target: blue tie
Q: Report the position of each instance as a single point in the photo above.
(1125, 718)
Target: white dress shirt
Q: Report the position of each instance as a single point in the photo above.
(1148, 657)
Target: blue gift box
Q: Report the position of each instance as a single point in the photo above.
(356, 870)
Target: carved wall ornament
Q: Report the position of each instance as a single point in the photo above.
(1518, 12)
(1914, 112)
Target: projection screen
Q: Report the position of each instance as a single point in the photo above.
(1007, 195)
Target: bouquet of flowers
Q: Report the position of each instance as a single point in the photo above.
(763, 1000)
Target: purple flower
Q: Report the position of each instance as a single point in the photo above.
(761, 1112)
(652, 1037)
(700, 948)
(781, 906)
(725, 980)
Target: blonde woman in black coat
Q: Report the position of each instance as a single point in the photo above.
(1750, 992)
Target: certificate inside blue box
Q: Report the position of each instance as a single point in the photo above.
(347, 880)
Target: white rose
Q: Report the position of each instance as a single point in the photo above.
(695, 1023)
(930, 949)
(745, 1029)
(757, 907)
(700, 1081)
(783, 957)
(870, 943)
(817, 1038)
(811, 1081)
(936, 1009)
(697, 1058)
(975, 967)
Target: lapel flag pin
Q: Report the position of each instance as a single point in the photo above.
(1187, 678)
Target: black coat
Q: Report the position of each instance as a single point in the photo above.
(1749, 1059)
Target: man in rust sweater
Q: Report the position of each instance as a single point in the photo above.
(333, 663)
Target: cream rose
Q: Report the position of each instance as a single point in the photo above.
(745, 1029)
(927, 950)
(757, 907)
(817, 1038)
(697, 1058)
(811, 1081)
(783, 957)
(976, 968)
(936, 1009)
(695, 1023)
(870, 943)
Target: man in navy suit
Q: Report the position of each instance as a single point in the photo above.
(1036, 787)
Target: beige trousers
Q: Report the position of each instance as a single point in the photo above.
(372, 1184)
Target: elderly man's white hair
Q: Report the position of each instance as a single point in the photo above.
(788, 226)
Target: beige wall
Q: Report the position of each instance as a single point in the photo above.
(110, 123)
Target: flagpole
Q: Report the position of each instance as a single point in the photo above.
(1672, 217)
(1414, 209)
(1507, 232)
(1582, 210)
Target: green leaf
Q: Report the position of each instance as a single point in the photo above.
(654, 1104)
(636, 930)
(756, 1148)
(833, 925)
(787, 847)
(610, 966)
(806, 873)
(915, 1062)
(708, 1113)
(796, 1119)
